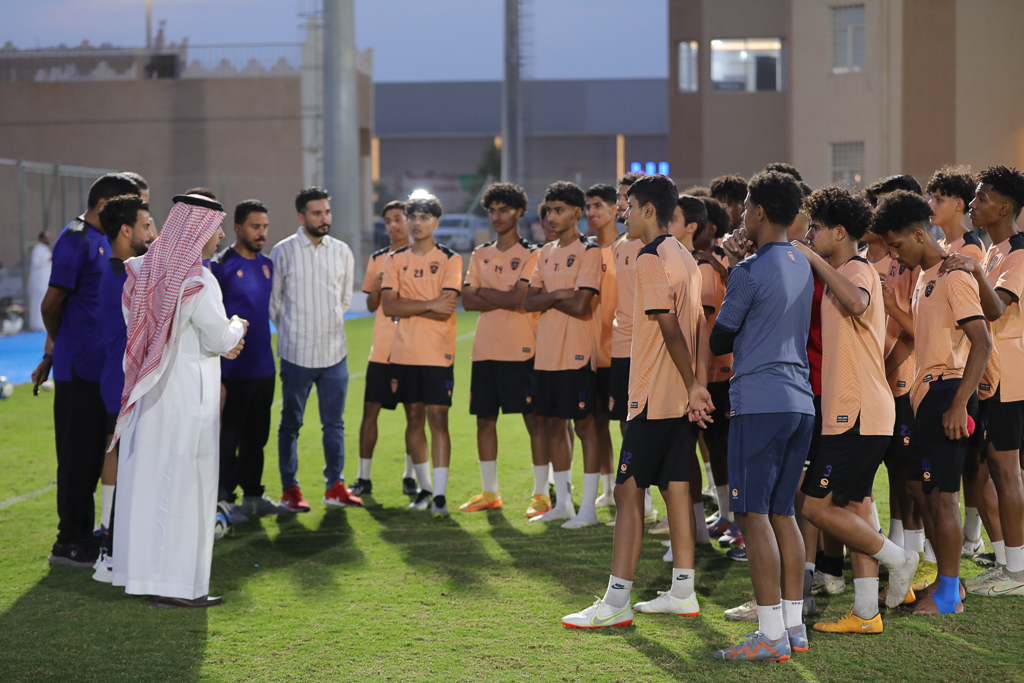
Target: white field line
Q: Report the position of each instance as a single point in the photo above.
(26, 496)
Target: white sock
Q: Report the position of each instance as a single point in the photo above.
(617, 594)
(106, 503)
(710, 477)
(562, 490)
(874, 516)
(792, 612)
(590, 484)
(608, 484)
(648, 505)
(999, 548)
(972, 524)
(865, 597)
(913, 540)
(929, 552)
(891, 555)
(682, 583)
(408, 472)
(540, 480)
(423, 476)
(896, 531)
(440, 481)
(551, 475)
(1014, 558)
(770, 621)
(808, 566)
(702, 535)
(489, 475)
(95, 524)
(364, 467)
(723, 502)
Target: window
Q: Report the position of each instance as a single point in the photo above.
(847, 39)
(688, 66)
(748, 65)
(848, 162)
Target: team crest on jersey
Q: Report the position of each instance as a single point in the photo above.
(569, 261)
(486, 261)
(929, 289)
(394, 386)
(101, 251)
(433, 268)
(515, 264)
(604, 267)
(627, 261)
(824, 483)
(266, 272)
(791, 257)
(239, 273)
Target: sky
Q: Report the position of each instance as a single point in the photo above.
(412, 40)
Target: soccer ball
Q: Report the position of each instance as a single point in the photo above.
(6, 388)
(223, 524)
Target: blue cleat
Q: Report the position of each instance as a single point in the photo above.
(758, 648)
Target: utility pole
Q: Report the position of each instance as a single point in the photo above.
(511, 100)
(149, 24)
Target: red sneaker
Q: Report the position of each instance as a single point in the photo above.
(292, 499)
(338, 496)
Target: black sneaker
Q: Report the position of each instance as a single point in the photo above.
(409, 487)
(361, 487)
(73, 555)
(422, 501)
(985, 559)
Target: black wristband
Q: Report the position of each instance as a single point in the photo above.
(48, 356)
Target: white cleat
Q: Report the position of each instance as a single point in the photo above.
(667, 543)
(970, 547)
(901, 579)
(556, 515)
(665, 603)
(599, 615)
(667, 557)
(104, 568)
(605, 500)
(659, 529)
(823, 583)
(651, 516)
(581, 520)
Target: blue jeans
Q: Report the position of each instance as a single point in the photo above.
(331, 388)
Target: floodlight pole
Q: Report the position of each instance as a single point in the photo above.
(511, 100)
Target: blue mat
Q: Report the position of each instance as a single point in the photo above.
(21, 353)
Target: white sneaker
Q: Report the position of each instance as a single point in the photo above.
(581, 520)
(709, 491)
(826, 584)
(900, 580)
(667, 543)
(667, 557)
(605, 500)
(659, 529)
(713, 519)
(599, 615)
(556, 515)
(104, 568)
(610, 522)
(970, 547)
(666, 603)
(651, 516)
(745, 612)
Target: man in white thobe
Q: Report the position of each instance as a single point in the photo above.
(38, 280)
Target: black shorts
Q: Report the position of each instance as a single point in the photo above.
(505, 385)
(655, 452)
(111, 423)
(935, 460)
(430, 384)
(845, 465)
(899, 443)
(381, 385)
(602, 388)
(816, 434)
(618, 389)
(982, 435)
(720, 399)
(1005, 423)
(568, 394)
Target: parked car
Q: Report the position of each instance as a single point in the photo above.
(458, 230)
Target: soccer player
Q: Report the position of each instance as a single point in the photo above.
(421, 285)
(1000, 277)
(668, 363)
(947, 315)
(731, 190)
(380, 391)
(858, 411)
(567, 278)
(246, 281)
(504, 345)
(764, 321)
(950, 192)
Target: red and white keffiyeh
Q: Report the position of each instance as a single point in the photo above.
(157, 286)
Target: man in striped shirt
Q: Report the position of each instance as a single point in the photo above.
(312, 290)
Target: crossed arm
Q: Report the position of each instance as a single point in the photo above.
(439, 309)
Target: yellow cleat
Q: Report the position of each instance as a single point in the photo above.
(906, 601)
(927, 573)
(851, 623)
(482, 501)
(538, 506)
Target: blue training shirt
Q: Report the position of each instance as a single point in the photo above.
(768, 307)
(115, 333)
(246, 284)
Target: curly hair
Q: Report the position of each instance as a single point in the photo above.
(732, 187)
(697, 191)
(121, 210)
(837, 205)
(956, 182)
(778, 194)
(1008, 182)
(660, 192)
(506, 193)
(891, 184)
(630, 178)
(604, 192)
(718, 215)
(566, 192)
(783, 167)
(899, 211)
(428, 204)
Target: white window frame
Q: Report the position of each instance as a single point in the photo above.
(847, 32)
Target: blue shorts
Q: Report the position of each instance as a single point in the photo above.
(766, 457)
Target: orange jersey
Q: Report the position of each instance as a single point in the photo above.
(563, 341)
(1004, 267)
(383, 326)
(852, 359)
(903, 281)
(608, 304)
(502, 334)
(712, 296)
(625, 260)
(967, 244)
(667, 281)
(419, 340)
(941, 305)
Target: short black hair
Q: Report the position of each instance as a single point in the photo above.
(121, 210)
(427, 204)
(837, 205)
(718, 215)
(805, 188)
(732, 187)
(246, 207)
(604, 192)
(628, 179)
(778, 194)
(508, 194)
(1007, 181)
(543, 210)
(110, 185)
(955, 182)
(566, 192)
(309, 194)
(139, 180)
(694, 211)
(891, 184)
(658, 191)
(783, 167)
(202, 192)
(393, 204)
(697, 191)
(899, 211)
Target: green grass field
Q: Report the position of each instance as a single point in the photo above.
(387, 594)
